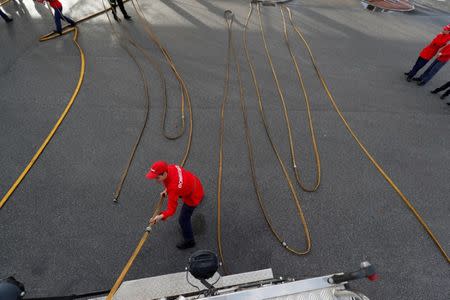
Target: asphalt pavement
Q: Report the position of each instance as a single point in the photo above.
(62, 234)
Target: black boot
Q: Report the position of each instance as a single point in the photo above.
(416, 79)
(186, 244)
(116, 17)
(127, 17)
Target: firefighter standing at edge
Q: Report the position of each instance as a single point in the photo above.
(179, 183)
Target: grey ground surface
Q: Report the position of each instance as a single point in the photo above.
(61, 233)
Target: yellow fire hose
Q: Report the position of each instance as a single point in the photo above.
(55, 127)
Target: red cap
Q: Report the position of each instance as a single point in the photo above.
(446, 28)
(158, 168)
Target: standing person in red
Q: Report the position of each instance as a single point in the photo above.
(179, 183)
(57, 6)
(430, 51)
(441, 59)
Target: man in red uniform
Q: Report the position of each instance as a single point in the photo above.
(441, 59)
(179, 183)
(57, 6)
(430, 51)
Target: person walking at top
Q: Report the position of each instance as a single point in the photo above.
(429, 51)
(5, 16)
(113, 4)
(57, 7)
(178, 183)
(444, 87)
(441, 59)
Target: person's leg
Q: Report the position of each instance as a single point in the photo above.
(67, 19)
(58, 20)
(113, 5)
(122, 9)
(185, 223)
(420, 63)
(430, 72)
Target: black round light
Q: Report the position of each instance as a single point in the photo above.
(203, 264)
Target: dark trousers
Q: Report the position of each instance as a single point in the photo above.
(58, 16)
(420, 63)
(443, 88)
(185, 222)
(431, 71)
(3, 15)
(121, 6)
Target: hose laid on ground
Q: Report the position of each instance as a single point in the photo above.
(295, 197)
(185, 97)
(360, 144)
(285, 111)
(231, 55)
(184, 91)
(55, 127)
(146, 109)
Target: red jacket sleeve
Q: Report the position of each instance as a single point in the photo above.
(444, 54)
(172, 204)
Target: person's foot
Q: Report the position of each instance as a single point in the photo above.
(116, 17)
(406, 73)
(73, 24)
(127, 17)
(185, 244)
(420, 83)
(416, 79)
(434, 91)
(443, 97)
(9, 20)
(58, 32)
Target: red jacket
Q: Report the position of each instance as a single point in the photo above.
(438, 42)
(184, 184)
(444, 54)
(55, 4)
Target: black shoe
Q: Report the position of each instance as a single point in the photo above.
(116, 17)
(406, 73)
(434, 91)
(58, 32)
(9, 20)
(186, 244)
(416, 79)
(73, 24)
(420, 83)
(127, 17)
